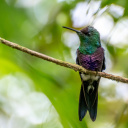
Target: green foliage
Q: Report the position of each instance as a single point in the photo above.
(38, 26)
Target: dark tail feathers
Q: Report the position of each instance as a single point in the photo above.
(88, 102)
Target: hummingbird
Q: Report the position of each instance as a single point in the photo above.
(90, 55)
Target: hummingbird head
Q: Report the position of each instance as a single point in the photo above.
(89, 39)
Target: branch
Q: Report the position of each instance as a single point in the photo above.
(63, 63)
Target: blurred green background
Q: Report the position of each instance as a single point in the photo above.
(38, 94)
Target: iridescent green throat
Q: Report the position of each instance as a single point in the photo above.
(89, 45)
(87, 50)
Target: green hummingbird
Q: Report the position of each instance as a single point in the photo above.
(90, 55)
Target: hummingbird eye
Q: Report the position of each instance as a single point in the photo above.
(88, 34)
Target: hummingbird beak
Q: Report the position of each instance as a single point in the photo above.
(72, 29)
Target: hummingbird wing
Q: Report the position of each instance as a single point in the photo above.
(104, 66)
(82, 104)
(89, 90)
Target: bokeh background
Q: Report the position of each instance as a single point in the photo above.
(38, 94)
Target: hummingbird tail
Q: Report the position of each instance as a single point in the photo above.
(88, 100)
(93, 110)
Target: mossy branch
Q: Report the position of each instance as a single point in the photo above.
(63, 63)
